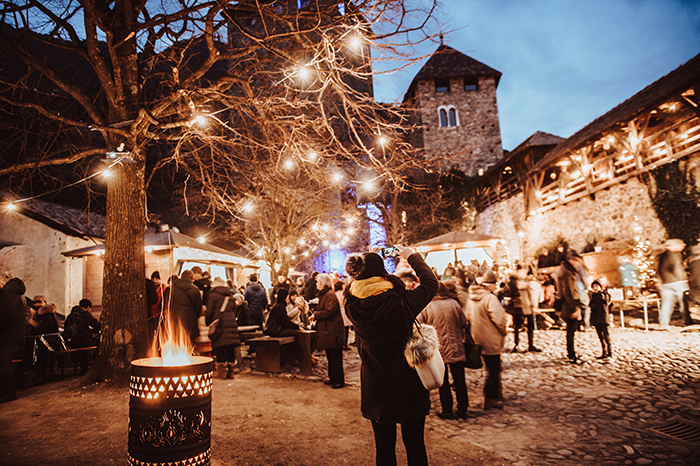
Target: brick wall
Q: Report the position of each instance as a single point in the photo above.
(476, 141)
(609, 216)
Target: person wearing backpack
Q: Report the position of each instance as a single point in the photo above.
(221, 305)
(80, 326)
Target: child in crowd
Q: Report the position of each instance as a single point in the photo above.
(600, 316)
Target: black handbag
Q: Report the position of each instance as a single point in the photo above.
(472, 352)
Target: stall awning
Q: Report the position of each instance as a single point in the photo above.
(164, 240)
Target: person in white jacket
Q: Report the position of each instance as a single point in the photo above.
(489, 328)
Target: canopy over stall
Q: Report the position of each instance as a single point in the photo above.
(170, 252)
(457, 245)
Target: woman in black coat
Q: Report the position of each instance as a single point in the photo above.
(278, 323)
(224, 346)
(392, 392)
(330, 330)
(12, 331)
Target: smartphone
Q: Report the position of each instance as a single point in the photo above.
(390, 251)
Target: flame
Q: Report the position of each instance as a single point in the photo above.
(172, 342)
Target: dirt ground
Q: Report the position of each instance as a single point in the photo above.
(256, 420)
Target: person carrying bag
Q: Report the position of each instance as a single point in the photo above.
(391, 391)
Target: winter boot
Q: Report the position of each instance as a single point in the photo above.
(229, 370)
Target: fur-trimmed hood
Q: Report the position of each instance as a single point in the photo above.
(370, 287)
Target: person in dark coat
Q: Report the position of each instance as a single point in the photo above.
(311, 290)
(44, 320)
(184, 302)
(223, 347)
(257, 300)
(600, 316)
(12, 328)
(330, 331)
(242, 312)
(88, 327)
(278, 323)
(571, 288)
(391, 391)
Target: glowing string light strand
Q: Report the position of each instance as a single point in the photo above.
(13, 204)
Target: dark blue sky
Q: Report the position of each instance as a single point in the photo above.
(564, 62)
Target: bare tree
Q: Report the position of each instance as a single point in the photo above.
(229, 92)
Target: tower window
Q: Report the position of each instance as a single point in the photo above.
(443, 118)
(442, 85)
(471, 83)
(448, 117)
(302, 4)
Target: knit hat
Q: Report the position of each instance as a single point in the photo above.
(238, 298)
(361, 266)
(596, 282)
(218, 281)
(488, 277)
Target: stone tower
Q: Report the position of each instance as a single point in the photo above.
(453, 98)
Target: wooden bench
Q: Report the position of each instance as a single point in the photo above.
(268, 352)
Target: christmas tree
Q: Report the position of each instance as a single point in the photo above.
(642, 258)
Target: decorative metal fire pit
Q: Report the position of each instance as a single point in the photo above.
(170, 412)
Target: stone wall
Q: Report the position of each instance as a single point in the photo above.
(611, 216)
(476, 141)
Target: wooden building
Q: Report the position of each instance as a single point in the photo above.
(588, 187)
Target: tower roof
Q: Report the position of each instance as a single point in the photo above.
(447, 62)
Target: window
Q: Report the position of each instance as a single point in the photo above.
(341, 8)
(443, 118)
(448, 117)
(302, 3)
(471, 83)
(442, 85)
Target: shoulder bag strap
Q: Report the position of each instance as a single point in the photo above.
(223, 306)
(410, 318)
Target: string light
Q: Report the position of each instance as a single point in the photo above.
(202, 239)
(122, 157)
(289, 164)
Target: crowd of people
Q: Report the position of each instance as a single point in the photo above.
(22, 316)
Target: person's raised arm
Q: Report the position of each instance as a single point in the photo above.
(420, 296)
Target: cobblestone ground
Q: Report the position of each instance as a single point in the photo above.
(595, 413)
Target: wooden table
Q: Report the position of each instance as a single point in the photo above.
(644, 300)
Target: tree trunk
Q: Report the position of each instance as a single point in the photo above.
(124, 316)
